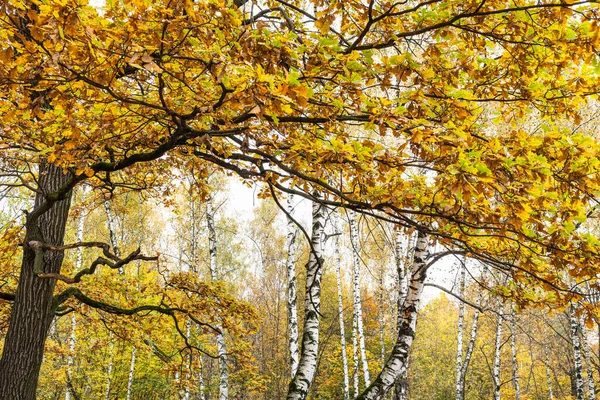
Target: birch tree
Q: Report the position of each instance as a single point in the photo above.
(305, 374)
(497, 356)
(459, 333)
(578, 367)
(587, 355)
(112, 234)
(401, 256)
(515, 362)
(214, 274)
(78, 264)
(337, 232)
(291, 287)
(406, 332)
(356, 263)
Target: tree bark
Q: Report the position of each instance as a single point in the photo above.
(406, 331)
(338, 261)
(578, 378)
(131, 372)
(515, 364)
(548, 375)
(587, 353)
(112, 234)
(459, 347)
(298, 389)
(291, 292)
(33, 308)
(497, 349)
(78, 264)
(470, 346)
(401, 256)
(357, 300)
(214, 274)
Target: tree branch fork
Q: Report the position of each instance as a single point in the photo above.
(109, 259)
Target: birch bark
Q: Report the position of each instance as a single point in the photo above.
(300, 383)
(497, 348)
(291, 290)
(576, 354)
(401, 254)
(337, 232)
(513, 348)
(114, 244)
(470, 346)
(459, 346)
(548, 376)
(587, 353)
(214, 273)
(357, 300)
(78, 264)
(406, 331)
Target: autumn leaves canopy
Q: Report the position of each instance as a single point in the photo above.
(468, 120)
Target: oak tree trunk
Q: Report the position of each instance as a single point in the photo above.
(33, 308)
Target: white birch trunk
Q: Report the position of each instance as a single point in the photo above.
(381, 316)
(459, 347)
(576, 354)
(357, 301)
(291, 292)
(188, 331)
(396, 362)
(214, 273)
(515, 364)
(548, 376)
(587, 353)
(497, 348)
(201, 386)
(131, 372)
(355, 361)
(78, 264)
(402, 270)
(470, 346)
(338, 261)
(298, 389)
(109, 369)
(113, 242)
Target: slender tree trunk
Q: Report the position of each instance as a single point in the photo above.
(470, 346)
(355, 361)
(301, 382)
(112, 234)
(497, 349)
(214, 273)
(338, 262)
(406, 331)
(401, 258)
(357, 300)
(381, 316)
(587, 353)
(513, 348)
(459, 348)
(576, 354)
(33, 309)
(291, 292)
(78, 264)
(109, 368)
(188, 358)
(131, 372)
(548, 376)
